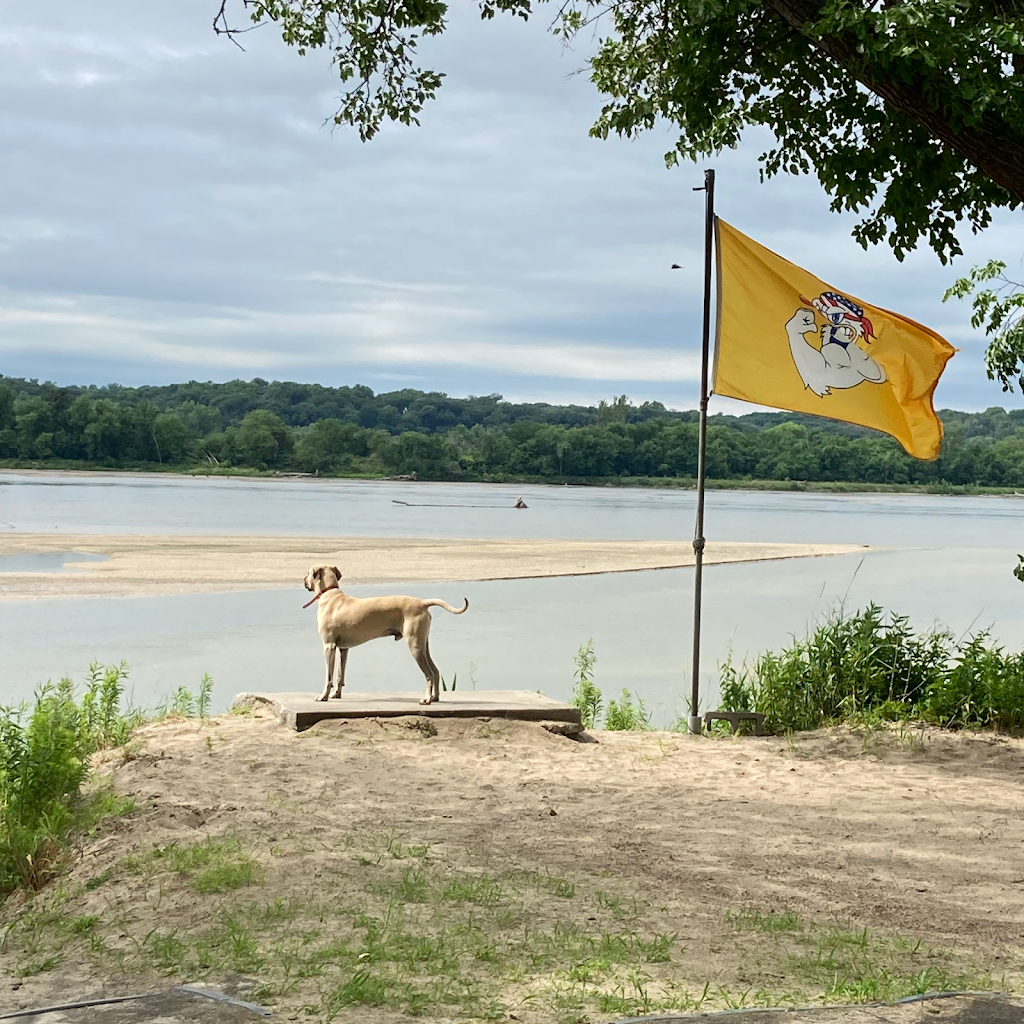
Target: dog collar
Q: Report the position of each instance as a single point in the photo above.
(321, 594)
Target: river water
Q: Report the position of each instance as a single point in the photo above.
(937, 559)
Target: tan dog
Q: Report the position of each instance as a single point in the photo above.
(346, 622)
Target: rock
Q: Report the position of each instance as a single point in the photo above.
(572, 730)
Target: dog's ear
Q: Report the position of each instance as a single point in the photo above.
(318, 573)
(336, 571)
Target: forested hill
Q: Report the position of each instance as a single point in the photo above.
(281, 426)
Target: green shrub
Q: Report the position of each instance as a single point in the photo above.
(624, 715)
(44, 759)
(585, 694)
(872, 665)
(983, 687)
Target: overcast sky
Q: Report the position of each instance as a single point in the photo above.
(173, 209)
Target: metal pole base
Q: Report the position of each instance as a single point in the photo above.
(695, 728)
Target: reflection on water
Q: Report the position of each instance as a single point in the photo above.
(47, 561)
(937, 559)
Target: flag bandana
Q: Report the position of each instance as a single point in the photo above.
(787, 340)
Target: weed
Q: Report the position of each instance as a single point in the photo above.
(43, 765)
(186, 704)
(97, 880)
(412, 888)
(735, 686)
(482, 890)
(585, 694)
(624, 715)
(753, 919)
(211, 866)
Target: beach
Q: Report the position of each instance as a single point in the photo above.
(483, 864)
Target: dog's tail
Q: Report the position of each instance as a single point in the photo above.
(436, 602)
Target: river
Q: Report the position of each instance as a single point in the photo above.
(937, 559)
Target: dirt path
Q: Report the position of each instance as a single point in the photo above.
(140, 564)
(371, 871)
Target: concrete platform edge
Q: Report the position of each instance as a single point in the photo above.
(302, 719)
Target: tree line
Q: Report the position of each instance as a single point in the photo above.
(283, 426)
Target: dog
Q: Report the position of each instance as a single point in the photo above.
(345, 622)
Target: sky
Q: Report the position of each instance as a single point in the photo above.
(174, 208)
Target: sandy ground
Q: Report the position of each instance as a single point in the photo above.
(173, 564)
(772, 870)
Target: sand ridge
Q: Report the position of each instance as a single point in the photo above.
(167, 564)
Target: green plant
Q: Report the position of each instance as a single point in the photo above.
(186, 704)
(1000, 311)
(870, 667)
(101, 715)
(983, 687)
(211, 865)
(585, 694)
(43, 764)
(734, 687)
(204, 696)
(182, 703)
(624, 715)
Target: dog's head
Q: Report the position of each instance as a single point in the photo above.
(321, 578)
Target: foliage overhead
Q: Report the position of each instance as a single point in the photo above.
(910, 112)
(1000, 310)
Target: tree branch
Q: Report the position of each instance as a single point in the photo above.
(993, 146)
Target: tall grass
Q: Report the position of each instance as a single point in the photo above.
(871, 663)
(44, 760)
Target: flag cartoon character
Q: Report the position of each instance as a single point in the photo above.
(838, 361)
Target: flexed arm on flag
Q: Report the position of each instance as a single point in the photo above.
(840, 363)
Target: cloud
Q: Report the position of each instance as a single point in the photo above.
(175, 209)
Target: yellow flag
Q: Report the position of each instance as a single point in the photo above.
(790, 341)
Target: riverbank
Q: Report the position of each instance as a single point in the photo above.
(670, 483)
(382, 871)
(137, 564)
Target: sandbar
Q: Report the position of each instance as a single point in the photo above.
(137, 564)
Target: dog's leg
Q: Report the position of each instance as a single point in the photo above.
(329, 650)
(421, 655)
(434, 673)
(342, 661)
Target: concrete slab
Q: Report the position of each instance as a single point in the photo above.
(183, 1004)
(301, 710)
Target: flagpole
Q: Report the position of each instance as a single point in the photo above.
(698, 533)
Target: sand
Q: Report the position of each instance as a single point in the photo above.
(916, 837)
(169, 564)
